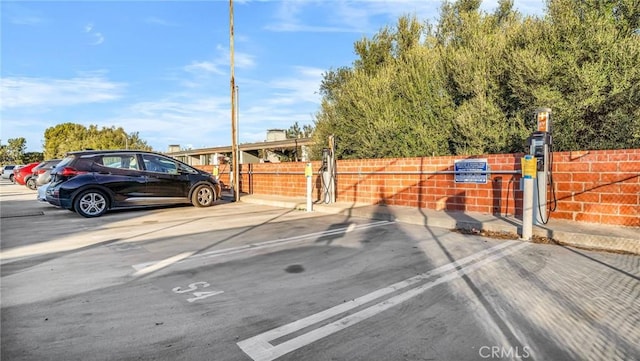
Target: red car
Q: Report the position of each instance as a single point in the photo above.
(23, 174)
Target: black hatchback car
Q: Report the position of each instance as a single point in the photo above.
(91, 182)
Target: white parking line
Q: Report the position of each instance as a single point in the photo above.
(262, 245)
(259, 347)
(154, 266)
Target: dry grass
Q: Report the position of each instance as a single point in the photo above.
(504, 235)
(486, 233)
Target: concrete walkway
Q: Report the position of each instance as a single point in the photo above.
(583, 235)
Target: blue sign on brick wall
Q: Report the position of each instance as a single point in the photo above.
(471, 171)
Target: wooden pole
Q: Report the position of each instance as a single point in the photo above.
(234, 131)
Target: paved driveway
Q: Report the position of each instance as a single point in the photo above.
(247, 282)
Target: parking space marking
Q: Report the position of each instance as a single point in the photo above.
(154, 266)
(197, 295)
(144, 268)
(259, 347)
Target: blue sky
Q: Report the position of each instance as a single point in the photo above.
(162, 68)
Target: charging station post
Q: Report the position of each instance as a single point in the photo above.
(216, 166)
(528, 166)
(540, 143)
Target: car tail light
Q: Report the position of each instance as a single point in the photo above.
(70, 172)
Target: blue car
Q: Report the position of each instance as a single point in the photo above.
(91, 182)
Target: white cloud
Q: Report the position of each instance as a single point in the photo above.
(221, 64)
(347, 15)
(185, 117)
(97, 37)
(240, 59)
(199, 67)
(198, 119)
(21, 92)
(526, 7)
(302, 87)
(288, 19)
(159, 21)
(26, 20)
(204, 119)
(358, 16)
(295, 27)
(180, 107)
(19, 14)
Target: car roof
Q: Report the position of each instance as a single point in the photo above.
(110, 151)
(30, 165)
(47, 162)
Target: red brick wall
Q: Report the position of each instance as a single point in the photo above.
(600, 186)
(434, 191)
(591, 186)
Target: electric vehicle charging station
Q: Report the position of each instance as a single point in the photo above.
(540, 144)
(328, 173)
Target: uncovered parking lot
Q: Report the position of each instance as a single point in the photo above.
(247, 282)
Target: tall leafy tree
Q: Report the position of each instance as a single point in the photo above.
(389, 104)
(596, 52)
(14, 151)
(31, 157)
(4, 158)
(295, 131)
(470, 84)
(67, 137)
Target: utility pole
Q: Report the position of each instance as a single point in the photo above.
(234, 131)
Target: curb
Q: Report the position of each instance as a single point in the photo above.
(584, 240)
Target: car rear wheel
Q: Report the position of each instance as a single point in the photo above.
(203, 196)
(11, 179)
(91, 203)
(31, 184)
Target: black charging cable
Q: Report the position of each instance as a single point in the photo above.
(325, 187)
(548, 210)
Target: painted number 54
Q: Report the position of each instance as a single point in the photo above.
(197, 295)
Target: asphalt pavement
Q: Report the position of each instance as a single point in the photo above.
(244, 281)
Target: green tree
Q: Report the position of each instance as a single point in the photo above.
(31, 157)
(470, 84)
(67, 137)
(596, 52)
(394, 110)
(475, 47)
(4, 155)
(295, 131)
(13, 151)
